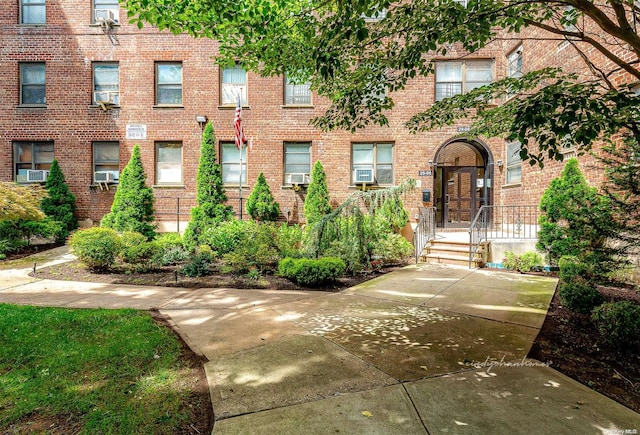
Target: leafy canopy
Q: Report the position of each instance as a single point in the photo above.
(20, 201)
(353, 60)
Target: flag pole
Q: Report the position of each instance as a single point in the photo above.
(240, 189)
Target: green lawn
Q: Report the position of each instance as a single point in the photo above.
(97, 371)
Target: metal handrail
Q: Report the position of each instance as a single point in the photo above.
(425, 230)
(493, 222)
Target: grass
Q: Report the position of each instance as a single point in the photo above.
(99, 371)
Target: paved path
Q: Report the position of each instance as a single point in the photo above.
(426, 349)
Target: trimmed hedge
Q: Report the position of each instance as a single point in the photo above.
(312, 272)
(97, 247)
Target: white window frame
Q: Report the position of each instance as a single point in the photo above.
(28, 4)
(112, 88)
(106, 165)
(375, 163)
(301, 168)
(464, 84)
(297, 94)
(230, 163)
(513, 164)
(168, 85)
(37, 162)
(169, 172)
(229, 90)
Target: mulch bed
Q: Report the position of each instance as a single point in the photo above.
(574, 347)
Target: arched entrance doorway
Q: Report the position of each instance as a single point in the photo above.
(463, 171)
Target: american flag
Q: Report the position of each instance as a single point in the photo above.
(237, 126)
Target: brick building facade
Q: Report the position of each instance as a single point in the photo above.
(80, 84)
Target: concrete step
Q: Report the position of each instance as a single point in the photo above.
(446, 251)
(437, 258)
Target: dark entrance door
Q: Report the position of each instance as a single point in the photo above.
(461, 184)
(460, 196)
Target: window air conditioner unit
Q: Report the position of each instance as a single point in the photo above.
(103, 177)
(297, 178)
(106, 16)
(363, 176)
(106, 97)
(37, 176)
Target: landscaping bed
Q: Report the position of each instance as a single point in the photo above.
(571, 343)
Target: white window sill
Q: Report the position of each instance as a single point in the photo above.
(511, 185)
(168, 186)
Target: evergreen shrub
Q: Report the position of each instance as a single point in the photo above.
(97, 248)
(261, 205)
(312, 272)
(618, 323)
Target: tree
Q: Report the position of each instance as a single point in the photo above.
(20, 202)
(260, 205)
(576, 221)
(353, 52)
(317, 202)
(132, 208)
(210, 194)
(60, 204)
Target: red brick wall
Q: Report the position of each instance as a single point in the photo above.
(69, 44)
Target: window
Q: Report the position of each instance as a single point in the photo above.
(297, 162)
(33, 12)
(514, 66)
(234, 83)
(296, 94)
(514, 63)
(376, 15)
(230, 158)
(169, 163)
(169, 83)
(453, 78)
(29, 156)
(372, 158)
(514, 163)
(106, 10)
(106, 159)
(106, 83)
(32, 84)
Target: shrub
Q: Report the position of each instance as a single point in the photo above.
(391, 248)
(312, 272)
(578, 295)
(200, 265)
(132, 208)
(257, 248)
(97, 248)
(289, 241)
(141, 255)
(260, 204)
(523, 263)
(576, 220)
(572, 267)
(224, 237)
(170, 240)
(618, 323)
(171, 255)
(391, 215)
(210, 194)
(60, 203)
(317, 202)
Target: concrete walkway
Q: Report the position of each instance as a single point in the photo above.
(426, 349)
